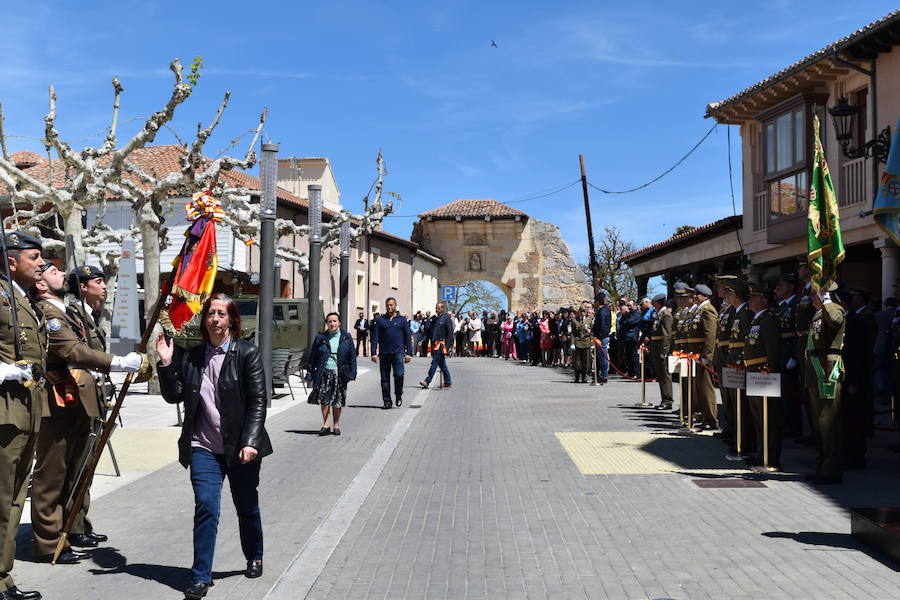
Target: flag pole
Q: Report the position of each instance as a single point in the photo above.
(108, 426)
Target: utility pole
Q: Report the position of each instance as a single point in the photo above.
(595, 279)
(314, 320)
(344, 276)
(268, 167)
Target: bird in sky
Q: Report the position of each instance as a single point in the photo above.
(494, 44)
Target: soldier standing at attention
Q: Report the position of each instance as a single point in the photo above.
(660, 348)
(581, 343)
(23, 348)
(762, 350)
(740, 327)
(720, 358)
(786, 311)
(679, 335)
(74, 400)
(703, 333)
(822, 376)
(803, 315)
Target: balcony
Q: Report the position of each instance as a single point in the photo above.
(760, 210)
(853, 182)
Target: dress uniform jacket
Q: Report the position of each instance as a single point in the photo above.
(762, 351)
(803, 315)
(791, 395)
(66, 425)
(660, 348)
(702, 341)
(20, 417)
(825, 341)
(580, 331)
(740, 327)
(720, 360)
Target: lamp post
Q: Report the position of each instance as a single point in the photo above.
(344, 276)
(315, 259)
(268, 166)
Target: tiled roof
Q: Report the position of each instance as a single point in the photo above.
(158, 161)
(726, 223)
(485, 207)
(856, 36)
(26, 158)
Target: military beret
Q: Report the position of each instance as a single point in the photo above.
(703, 289)
(737, 285)
(843, 296)
(757, 289)
(87, 272)
(16, 240)
(660, 298)
(45, 266)
(680, 285)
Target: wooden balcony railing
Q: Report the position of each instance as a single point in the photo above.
(852, 188)
(760, 210)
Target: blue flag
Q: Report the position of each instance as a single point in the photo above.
(887, 203)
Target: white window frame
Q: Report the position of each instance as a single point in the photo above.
(360, 290)
(395, 271)
(375, 266)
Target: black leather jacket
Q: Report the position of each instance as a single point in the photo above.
(242, 395)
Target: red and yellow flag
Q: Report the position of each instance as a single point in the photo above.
(197, 263)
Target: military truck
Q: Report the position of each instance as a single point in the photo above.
(288, 314)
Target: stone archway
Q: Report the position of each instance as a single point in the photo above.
(485, 239)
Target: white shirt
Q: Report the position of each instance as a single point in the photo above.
(756, 316)
(788, 300)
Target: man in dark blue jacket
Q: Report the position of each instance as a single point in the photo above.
(392, 347)
(630, 335)
(441, 339)
(601, 328)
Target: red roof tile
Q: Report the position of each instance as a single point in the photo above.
(26, 158)
(486, 207)
(735, 221)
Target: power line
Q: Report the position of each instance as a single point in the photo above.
(664, 173)
(526, 198)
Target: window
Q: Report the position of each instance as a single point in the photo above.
(395, 271)
(360, 289)
(375, 266)
(787, 150)
(360, 251)
(278, 313)
(293, 312)
(374, 307)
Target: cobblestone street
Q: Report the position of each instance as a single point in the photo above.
(515, 483)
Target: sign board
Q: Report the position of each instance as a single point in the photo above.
(733, 379)
(126, 310)
(764, 384)
(672, 364)
(448, 293)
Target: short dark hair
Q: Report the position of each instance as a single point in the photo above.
(333, 313)
(234, 316)
(389, 298)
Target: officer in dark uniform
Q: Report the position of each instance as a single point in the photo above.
(803, 315)
(702, 342)
(762, 351)
(791, 395)
(23, 348)
(857, 405)
(720, 358)
(73, 403)
(679, 334)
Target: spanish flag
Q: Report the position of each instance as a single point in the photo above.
(197, 263)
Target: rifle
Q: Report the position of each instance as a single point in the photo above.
(110, 423)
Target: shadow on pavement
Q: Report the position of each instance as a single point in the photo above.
(112, 563)
(303, 431)
(833, 540)
(378, 406)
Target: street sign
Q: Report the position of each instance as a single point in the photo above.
(733, 378)
(764, 384)
(448, 293)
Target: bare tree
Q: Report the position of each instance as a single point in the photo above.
(477, 295)
(616, 279)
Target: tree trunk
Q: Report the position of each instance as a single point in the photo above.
(73, 226)
(149, 227)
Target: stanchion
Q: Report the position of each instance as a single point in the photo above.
(643, 379)
(689, 426)
(765, 429)
(594, 362)
(737, 432)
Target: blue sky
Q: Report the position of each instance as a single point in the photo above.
(624, 83)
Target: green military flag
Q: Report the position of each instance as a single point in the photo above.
(825, 246)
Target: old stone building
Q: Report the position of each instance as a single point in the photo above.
(487, 240)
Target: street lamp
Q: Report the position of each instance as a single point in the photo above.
(314, 193)
(268, 167)
(344, 276)
(844, 114)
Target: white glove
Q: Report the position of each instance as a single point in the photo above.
(130, 363)
(20, 373)
(572, 347)
(791, 364)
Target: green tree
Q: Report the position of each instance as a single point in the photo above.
(616, 279)
(478, 296)
(683, 229)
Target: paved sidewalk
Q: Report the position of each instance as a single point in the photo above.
(515, 483)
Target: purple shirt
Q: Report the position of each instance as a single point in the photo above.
(207, 428)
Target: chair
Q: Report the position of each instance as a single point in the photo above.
(294, 366)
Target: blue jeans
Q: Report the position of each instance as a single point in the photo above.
(601, 358)
(438, 360)
(208, 471)
(386, 362)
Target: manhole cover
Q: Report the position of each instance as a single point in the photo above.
(728, 483)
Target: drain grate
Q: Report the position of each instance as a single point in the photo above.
(728, 483)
